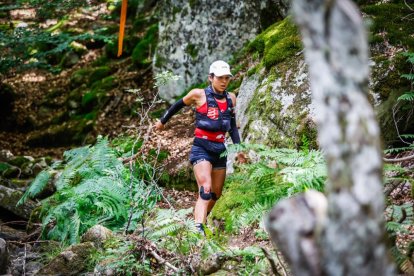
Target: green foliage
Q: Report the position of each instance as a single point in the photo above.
(277, 43)
(33, 47)
(46, 9)
(408, 96)
(126, 146)
(404, 103)
(256, 187)
(121, 256)
(390, 21)
(165, 77)
(400, 216)
(143, 51)
(36, 187)
(94, 188)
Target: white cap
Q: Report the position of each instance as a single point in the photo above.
(220, 68)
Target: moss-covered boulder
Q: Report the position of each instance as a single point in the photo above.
(67, 133)
(89, 75)
(8, 200)
(274, 100)
(72, 261)
(274, 106)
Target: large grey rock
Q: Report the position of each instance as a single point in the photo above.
(275, 108)
(192, 34)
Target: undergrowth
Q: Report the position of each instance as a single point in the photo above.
(274, 174)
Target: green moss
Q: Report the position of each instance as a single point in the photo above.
(252, 71)
(3, 167)
(257, 45)
(192, 50)
(89, 75)
(99, 73)
(105, 83)
(102, 60)
(277, 43)
(182, 180)
(80, 76)
(160, 61)
(391, 21)
(141, 55)
(284, 48)
(157, 113)
(19, 161)
(126, 145)
(67, 133)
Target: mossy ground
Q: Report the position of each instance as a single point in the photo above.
(391, 21)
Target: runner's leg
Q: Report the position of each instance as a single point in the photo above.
(217, 182)
(203, 173)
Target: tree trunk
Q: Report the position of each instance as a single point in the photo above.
(350, 241)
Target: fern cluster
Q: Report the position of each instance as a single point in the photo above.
(93, 188)
(276, 174)
(401, 216)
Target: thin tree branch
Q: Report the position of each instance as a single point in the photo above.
(161, 260)
(395, 160)
(271, 261)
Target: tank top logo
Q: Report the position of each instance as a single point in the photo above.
(213, 113)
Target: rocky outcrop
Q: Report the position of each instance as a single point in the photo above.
(9, 198)
(98, 234)
(276, 109)
(274, 100)
(16, 173)
(192, 34)
(72, 261)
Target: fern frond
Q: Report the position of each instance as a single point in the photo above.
(408, 76)
(410, 57)
(253, 215)
(397, 150)
(407, 96)
(36, 187)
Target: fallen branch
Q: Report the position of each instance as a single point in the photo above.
(161, 260)
(395, 160)
(271, 261)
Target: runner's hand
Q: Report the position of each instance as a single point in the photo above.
(159, 125)
(241, 158)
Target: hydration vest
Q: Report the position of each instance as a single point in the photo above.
(222, 123)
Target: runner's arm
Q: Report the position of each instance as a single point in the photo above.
(188, 99)
(234, 131)
(172, 111)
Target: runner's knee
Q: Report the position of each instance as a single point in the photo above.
(207, 196)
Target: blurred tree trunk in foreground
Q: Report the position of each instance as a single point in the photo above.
(345, 234)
